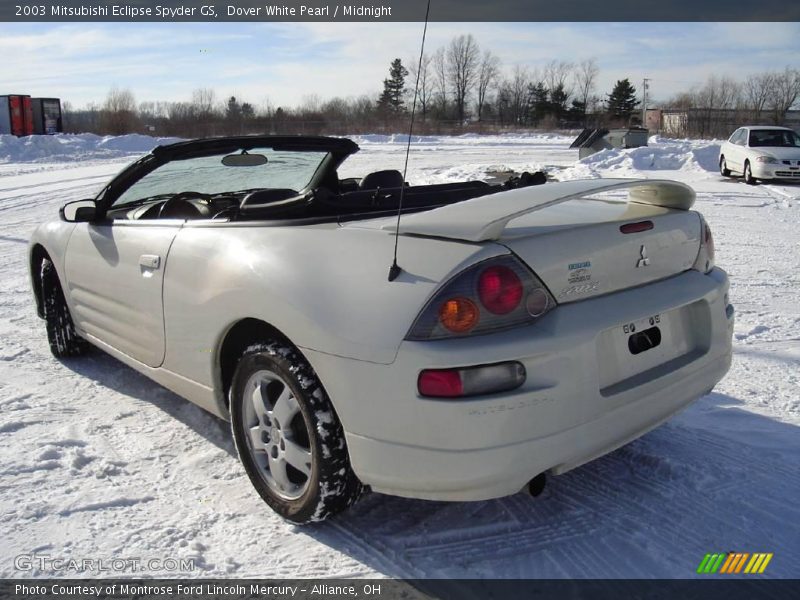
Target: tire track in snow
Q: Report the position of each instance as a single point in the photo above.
(717, 477)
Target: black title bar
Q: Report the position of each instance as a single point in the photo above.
(398, 10)
(712, 588)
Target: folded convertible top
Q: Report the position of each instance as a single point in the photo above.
(485, 218)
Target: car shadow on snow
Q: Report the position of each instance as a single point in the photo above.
(115, 375)
(713, 479)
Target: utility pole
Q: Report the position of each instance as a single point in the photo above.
(645, 83)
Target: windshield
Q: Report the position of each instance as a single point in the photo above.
(774, 138)
(208, 175)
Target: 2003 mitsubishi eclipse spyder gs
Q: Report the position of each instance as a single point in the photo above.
(530, 328)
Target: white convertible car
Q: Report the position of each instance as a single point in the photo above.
(526, 329)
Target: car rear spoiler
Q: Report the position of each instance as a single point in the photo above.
(485, 218)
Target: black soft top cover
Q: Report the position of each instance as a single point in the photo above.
(339, 147)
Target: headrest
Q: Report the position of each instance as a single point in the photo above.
(382, 179)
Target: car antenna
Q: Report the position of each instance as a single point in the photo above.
(395, 269)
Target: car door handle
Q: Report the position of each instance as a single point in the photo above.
(150, 261)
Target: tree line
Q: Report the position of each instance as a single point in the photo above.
(459, 87)
(723, 103)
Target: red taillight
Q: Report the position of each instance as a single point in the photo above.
(499, 289)
(498, 293)
(705, 256)
(636, 227)
(440, 384)
(471, 381)
(709, 240)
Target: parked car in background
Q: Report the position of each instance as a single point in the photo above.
(761, 152)
(528, 329)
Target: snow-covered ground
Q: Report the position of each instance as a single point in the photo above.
(98, 462)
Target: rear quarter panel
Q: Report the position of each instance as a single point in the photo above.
(325, 287)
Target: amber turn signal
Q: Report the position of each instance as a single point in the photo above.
(458, 315)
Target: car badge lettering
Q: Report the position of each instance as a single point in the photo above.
(580, 265)
(577, 290)
(643, 260)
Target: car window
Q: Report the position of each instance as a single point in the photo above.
(208, 175)
(736, 137)
(773, 138)
(741, 138)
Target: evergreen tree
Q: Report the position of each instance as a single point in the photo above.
(622, 100)
(233, 111)
(391, 99)
(558, 101)
(538, 99)
(503, 101)
(233, 114)
(577, 112)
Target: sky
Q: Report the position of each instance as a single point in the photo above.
(283, 63)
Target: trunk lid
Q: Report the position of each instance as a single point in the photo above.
(577, 248)
(569, 232)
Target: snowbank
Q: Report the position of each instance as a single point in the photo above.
(667, 157)
(75, 147)
(505, 139)
(98, 461)
(662, 154)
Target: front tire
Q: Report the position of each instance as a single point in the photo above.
(748, 174)
(723, 167)
(288, 436)
(63, 339)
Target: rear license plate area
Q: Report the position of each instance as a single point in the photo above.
(630, 349)
(642, 341)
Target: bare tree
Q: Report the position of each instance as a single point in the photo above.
(265, 107)
(311, 103)
(203, 102)
(783, 93)
(585, 80)
(463, 58)
(118, 115)
(440, 81)
(756, 92)
(487, 76)
(556, 74)
(718, 95)
(518, 93)
(420, 75)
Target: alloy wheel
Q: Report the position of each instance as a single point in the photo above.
(276, 434)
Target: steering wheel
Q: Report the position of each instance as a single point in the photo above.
(170, 204)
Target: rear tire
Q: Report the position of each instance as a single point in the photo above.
(288, 435)
(748, 174)
(723, 167)
(64, 340)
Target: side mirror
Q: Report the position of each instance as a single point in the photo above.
(79, 211)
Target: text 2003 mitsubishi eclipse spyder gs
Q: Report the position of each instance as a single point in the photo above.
(530, 329)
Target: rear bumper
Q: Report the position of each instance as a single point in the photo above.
(576, 404)
(483, 473)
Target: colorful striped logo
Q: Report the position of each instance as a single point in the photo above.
(731, 563)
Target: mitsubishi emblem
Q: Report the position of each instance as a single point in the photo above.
(643, 260)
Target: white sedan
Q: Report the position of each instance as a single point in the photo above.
(761, 152)
(524, 329)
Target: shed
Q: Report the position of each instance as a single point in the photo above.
(594, 140)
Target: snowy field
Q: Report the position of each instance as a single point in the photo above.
(98, 462)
